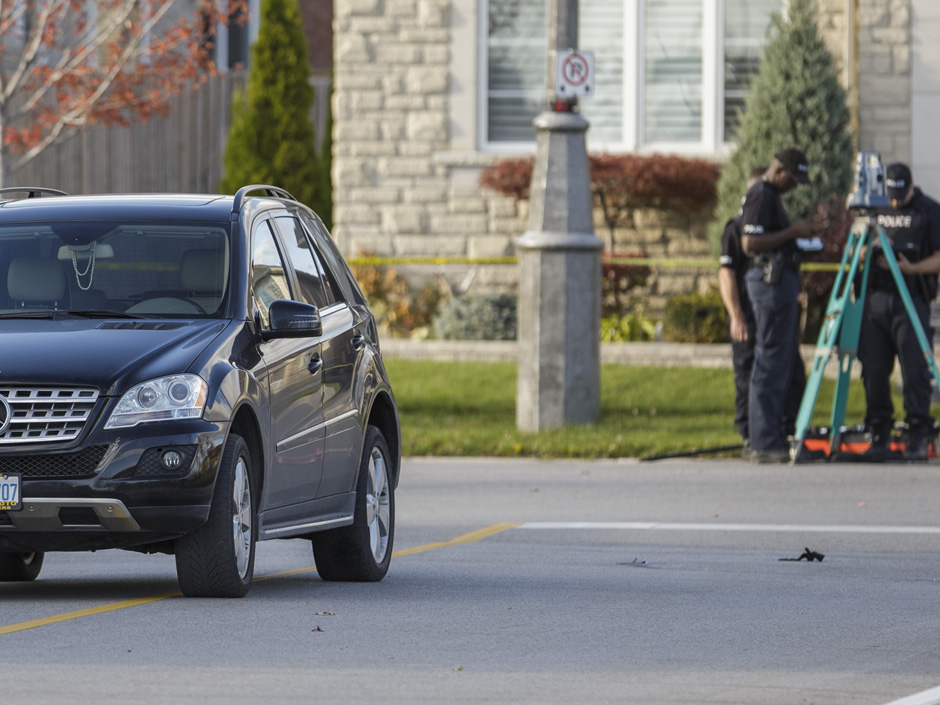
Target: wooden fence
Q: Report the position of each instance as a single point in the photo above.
(181, 152)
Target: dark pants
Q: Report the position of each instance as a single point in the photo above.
(776, 359)
(742, 359)
(887, 333)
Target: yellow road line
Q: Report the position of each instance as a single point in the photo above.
(472, 537)
(32, 624)
(465, 538)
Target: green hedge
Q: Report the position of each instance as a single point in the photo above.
(695, 318)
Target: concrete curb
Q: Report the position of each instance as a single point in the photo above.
(640, 354)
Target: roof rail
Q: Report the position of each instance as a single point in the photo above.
(33, 191)
(243, 192)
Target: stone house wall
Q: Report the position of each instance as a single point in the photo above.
(660, 234)
(878, 42)
(397, 193)
(656, 234)
(406, 180)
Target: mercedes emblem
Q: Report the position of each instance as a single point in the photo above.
(6, 414)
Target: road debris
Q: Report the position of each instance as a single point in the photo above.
(807, 555)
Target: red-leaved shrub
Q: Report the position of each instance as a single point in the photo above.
(510, 177)
(622, 182)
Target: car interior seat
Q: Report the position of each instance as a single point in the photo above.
(202, 283)
(34, 282)
(202, 277)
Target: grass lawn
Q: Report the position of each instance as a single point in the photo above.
(468, 409)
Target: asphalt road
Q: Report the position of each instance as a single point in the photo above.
(531, 582)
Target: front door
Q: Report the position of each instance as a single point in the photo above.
(341, 348)
(295, 387)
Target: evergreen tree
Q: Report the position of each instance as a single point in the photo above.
(796, 101)
(271, 140)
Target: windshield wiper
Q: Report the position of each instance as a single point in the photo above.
(100, 313)
(28, 314)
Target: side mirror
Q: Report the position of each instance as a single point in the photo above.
(293, 319)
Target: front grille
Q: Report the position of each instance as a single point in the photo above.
(82, 463)
(44, 414)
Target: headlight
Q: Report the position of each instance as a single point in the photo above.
(164, 399)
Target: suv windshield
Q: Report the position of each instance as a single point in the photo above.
(137, 269)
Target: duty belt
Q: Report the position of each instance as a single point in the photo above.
(790, 261)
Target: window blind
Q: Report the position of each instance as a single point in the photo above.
(673, 71)
(600, 30)
(747, 23)
(517, 49)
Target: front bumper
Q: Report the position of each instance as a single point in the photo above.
(127, 499)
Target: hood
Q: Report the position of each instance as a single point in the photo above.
(111, 355)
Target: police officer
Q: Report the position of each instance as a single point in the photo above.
(913, 228)
(773, 285)
(734, 265)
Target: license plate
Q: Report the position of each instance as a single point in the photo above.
(10, 500)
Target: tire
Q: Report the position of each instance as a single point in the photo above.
(20, 567)
(218, 559)
(362, 551)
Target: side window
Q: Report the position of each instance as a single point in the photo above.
(337, 271)
(268, 278)
(308, 270)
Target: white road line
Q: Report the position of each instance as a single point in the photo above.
(928, 697)
(668, 526)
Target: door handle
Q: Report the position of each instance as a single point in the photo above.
(358, 342)
(316, 364)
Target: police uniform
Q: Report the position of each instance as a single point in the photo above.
(886, 330)
(773, 284)
(742, 351)
(734, 258)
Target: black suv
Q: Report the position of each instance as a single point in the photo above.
(189, 374)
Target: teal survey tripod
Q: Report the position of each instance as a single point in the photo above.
(842, 324)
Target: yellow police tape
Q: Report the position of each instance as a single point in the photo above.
(646, 261)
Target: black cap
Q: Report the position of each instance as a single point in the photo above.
(795, 162)
(898, 180)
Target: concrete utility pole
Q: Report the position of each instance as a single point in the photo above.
(559, 257)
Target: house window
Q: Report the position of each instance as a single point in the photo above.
(672, 71)
(232, 39)
(746, 27)
(671, 75)
(517, 66)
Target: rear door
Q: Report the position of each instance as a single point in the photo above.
(294, 382)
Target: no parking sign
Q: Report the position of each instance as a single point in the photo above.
(575, 73)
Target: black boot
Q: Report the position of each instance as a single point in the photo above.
(918, 435)
(880, 448)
